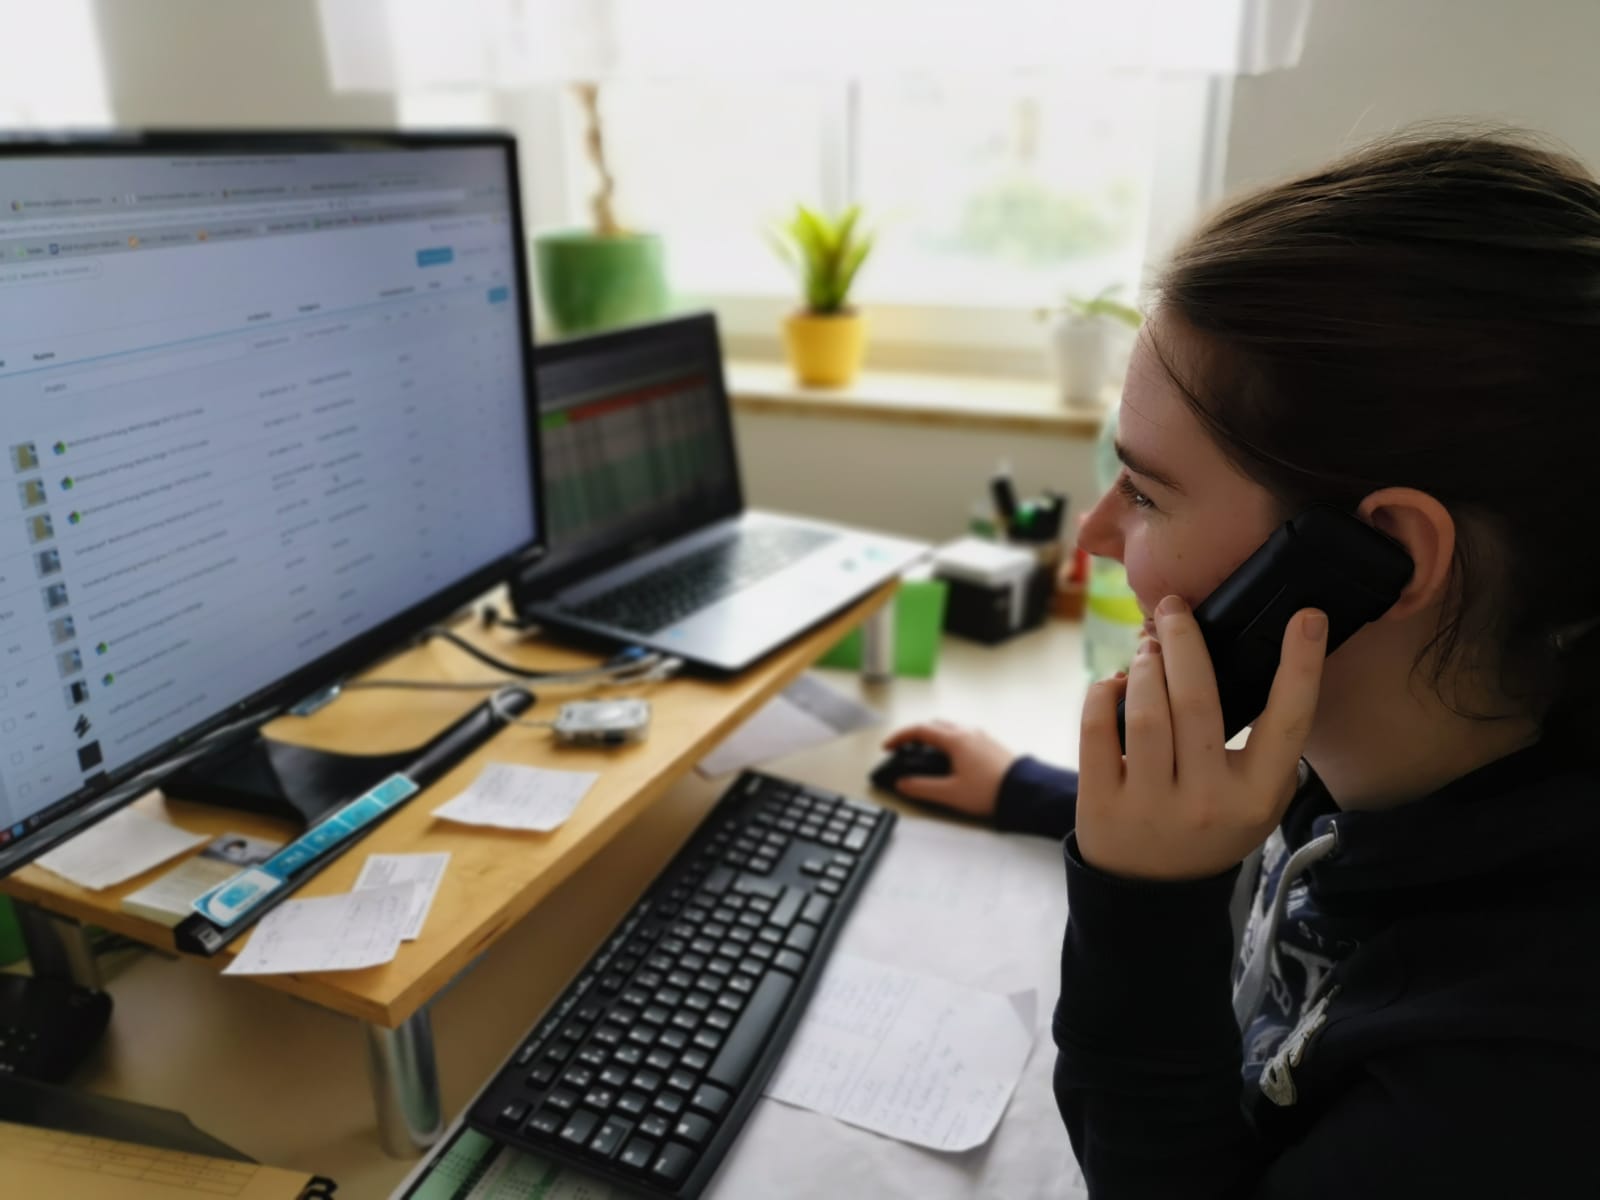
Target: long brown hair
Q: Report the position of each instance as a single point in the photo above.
(1425, 313)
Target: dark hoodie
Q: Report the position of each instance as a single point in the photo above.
(1429, 1024)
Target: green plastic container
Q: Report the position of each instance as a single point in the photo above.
(589, 282)
(11, 946)
(918, 620)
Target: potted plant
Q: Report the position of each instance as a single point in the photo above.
(1082, 332)
(827, 338)
(605, 275)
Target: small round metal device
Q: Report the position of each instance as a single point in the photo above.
(602, 722)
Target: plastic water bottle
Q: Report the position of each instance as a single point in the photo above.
(1112, 621)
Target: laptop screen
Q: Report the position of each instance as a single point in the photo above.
(635, 441)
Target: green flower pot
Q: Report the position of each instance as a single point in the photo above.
(590, 282)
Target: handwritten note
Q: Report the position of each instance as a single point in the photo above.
(907, 1055)
(513, 797)
(424, 871)
(126, 844)
(329, 933)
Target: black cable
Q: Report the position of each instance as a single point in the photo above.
(633, 661)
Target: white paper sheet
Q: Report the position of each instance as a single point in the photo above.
(125, 844)
(513, 797)
(807, 713)
(423, 871)
(329, 933)
(907, 1055)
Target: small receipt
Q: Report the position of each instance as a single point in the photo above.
(422, 871)
(126, 844)
(513, 797)
(330, 933)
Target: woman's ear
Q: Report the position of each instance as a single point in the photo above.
(1427, 531)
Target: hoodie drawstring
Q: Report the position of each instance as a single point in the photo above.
(1252, 985)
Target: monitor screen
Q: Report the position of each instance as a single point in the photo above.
(635, 439)
(266, 402)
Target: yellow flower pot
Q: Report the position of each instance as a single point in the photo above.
(825, 349)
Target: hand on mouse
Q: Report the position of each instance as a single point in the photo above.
(977, 765)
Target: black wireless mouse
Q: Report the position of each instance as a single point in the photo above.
(909, 758)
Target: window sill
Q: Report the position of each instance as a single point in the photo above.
(944, 400)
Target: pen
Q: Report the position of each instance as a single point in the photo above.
(1005, 497)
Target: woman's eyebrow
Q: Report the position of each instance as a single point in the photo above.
(1139, 466)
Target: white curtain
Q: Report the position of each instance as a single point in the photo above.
(418, 45)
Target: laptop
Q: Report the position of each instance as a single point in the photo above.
(650, 543)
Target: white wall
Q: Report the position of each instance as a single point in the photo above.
(917, 480)
(1372, 66)
(223, 62)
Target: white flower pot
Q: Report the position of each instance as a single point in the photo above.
(1081, 350)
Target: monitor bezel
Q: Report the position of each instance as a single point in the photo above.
(115, 790)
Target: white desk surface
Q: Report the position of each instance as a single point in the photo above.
(286, 1083)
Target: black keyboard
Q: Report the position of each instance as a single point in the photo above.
(644, 1070)
(696, 581)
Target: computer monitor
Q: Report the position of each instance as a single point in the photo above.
(267, 409)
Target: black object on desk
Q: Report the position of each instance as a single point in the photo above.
(264, 887)
(909, 758)
(48, 1026)
(646, 1068)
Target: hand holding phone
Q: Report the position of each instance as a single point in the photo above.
(1325, 559)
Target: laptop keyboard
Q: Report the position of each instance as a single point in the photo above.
(696, 581)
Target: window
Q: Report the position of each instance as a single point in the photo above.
(992, 195)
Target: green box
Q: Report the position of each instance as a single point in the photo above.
(918, 622)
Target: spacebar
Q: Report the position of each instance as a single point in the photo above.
(744, 1043)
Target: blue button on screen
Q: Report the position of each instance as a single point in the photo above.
(435, 256)
(499, 295)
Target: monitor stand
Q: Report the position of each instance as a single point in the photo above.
(277, 779)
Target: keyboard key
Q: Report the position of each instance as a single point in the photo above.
(628, 1056)
(694, 1129)
(542, 1075)
(633, 1104)
(758, 887)
(562, 1100)
(830, 887)
(513, 1115)
(856, 839)
(696, 1060)
(788, 960)
(787, 909)
(668, 1103)
(682, 1080)
(647, 1081)
(675, 1039)
(611, 1135)
(708, 1039)
(637, 1154)
(740, 1051)
(719, 1019)
(655, 1125)
(578, 1077)
(547, 1121)
(600, 1099)
(614, 1076)
(661, 1060)
(673, 1163)
(802, 937)
(710, 1099)
(580, 1128)
(816, 910)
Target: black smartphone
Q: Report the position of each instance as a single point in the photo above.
(1324, 558)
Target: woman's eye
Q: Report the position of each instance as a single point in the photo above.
(1132, 494)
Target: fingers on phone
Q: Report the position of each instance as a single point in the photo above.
(1099, 750)
(1282, 729)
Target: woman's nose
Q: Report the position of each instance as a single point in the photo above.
(1101, 533)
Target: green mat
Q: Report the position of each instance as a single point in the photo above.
(918, 622)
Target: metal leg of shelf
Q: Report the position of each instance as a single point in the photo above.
(405, 1085)
(877, 646)
(58, 947)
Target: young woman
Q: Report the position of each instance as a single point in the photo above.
(1413, 335)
